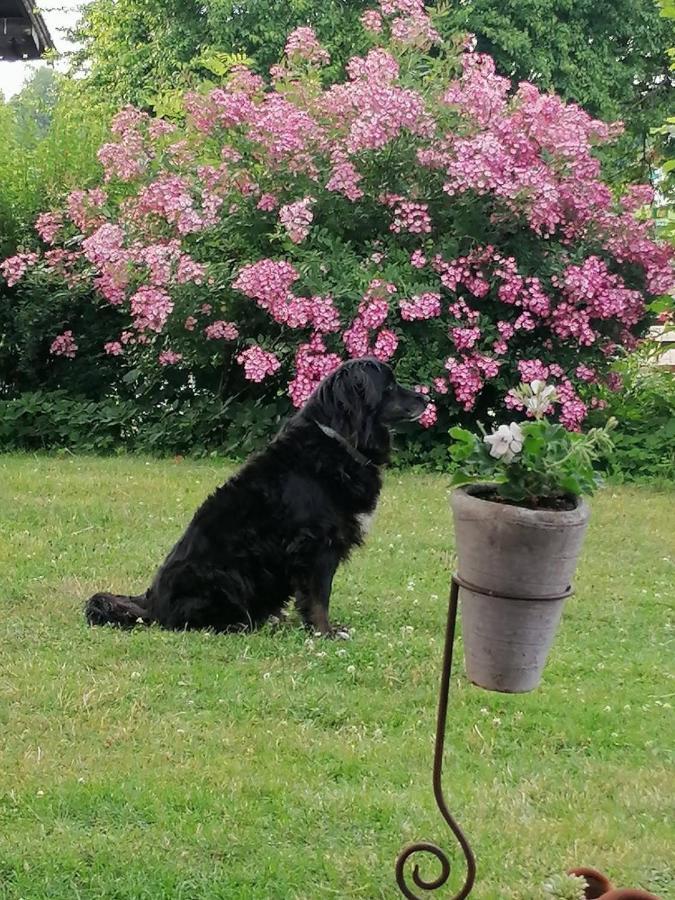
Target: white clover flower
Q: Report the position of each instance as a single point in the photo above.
(505, 442)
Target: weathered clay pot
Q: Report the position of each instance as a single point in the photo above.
(519, 563)
(600, 888)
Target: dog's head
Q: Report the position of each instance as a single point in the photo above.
(362, 400)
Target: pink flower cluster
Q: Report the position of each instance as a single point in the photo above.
(372, 21)
(422, 306)
(124, 160)
(267, 203)
(532, 152)
(372, 314)
(169, 358)
(532, 370)
(217, 331)
(64, 345)
(312, 364)
(345, 180)
(48, 225)
(297, 219)
(150, 307)
(14, 267)
(258, 363)
(411, 217)
(303, 44)
(218, 109)
(85, 209)
(467, 377)
(267, 281)
(415, 30)
(429, 416)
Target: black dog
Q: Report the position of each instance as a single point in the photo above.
(282, 525)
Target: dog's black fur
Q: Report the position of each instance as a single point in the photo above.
(282, 525)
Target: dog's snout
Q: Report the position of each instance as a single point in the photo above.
(419, 404)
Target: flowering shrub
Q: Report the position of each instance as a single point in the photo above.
(424, 210)
(532, 462)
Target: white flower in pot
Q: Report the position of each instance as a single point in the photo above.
(506, 442)
(520, 520)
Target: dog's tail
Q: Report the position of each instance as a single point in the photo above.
(116, 609)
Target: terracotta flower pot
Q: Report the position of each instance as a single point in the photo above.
(600, 888)
(519, 563)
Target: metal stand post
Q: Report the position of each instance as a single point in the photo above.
(424, 846)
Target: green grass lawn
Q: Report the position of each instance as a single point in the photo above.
(161, 765)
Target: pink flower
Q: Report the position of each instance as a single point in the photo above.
(113, 348)
(440, 385)
(258, 363)
(64, 345)
(422, 306)
(356, 340)
(406, 7)
(572, 410)
(48, 225)
(126, 160)
(532, 370)
(418, 260)
(415, 30)
(105, 245)
(128, 120)
(637, 196)
(190, 270)
(372, 21)
(585, 373)
(429, 416)
(465, 338)
(345, 179)
(190, 323)
(303, 44)
(297, 218)
(385, 345)
(373, 313)
(312, 365)
(323, 315)
(614, 382)
(14, 267)
(267, 203)
(267, 281)
(411, 217)
(84, 209)
(169, 358)
(221, 331)
(466, 380)
(150, 307)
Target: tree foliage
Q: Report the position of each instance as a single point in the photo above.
(612, 60)
(49, 143)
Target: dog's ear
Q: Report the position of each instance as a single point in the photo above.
(351, 399)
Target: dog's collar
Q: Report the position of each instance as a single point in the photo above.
(353, 452)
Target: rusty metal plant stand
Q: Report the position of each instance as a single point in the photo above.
(425, 846)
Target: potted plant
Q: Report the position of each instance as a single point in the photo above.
(588, 884)
(520, 520)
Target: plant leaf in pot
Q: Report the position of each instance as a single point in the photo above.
(520, 522)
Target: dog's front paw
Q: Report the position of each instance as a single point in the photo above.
(335, 633)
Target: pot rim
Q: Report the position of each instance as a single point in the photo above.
(466, 497)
